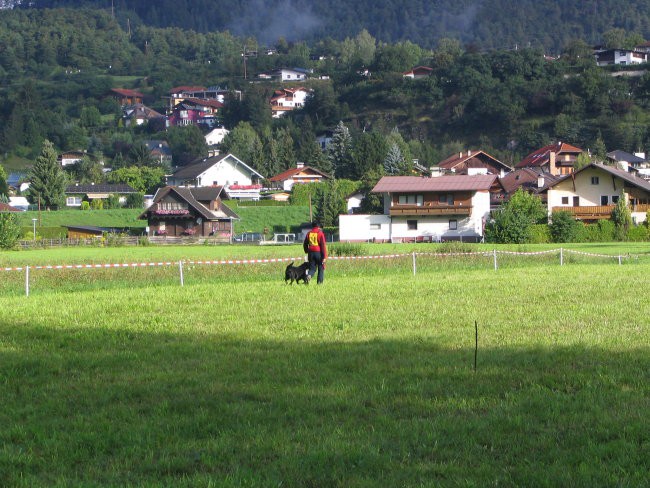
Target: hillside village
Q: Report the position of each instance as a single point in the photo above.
(182, 153)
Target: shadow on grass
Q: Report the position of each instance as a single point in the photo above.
(99, 407)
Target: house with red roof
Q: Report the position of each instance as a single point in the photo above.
(195, 111)
(473, 162)
(418, 72)
(557, 158)
(298, 175)
(124, 96)
(288, 99)
(180, 93)
(531, 180)
(452, 207)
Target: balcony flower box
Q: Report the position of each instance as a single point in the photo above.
(177, 211)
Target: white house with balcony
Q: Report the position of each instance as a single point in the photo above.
(418, 209)
(239, 180)
(591, 193)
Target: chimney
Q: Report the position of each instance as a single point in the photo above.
(469, 152)
(460, 154)
(300, 164)
(540, 181)
(551, 163)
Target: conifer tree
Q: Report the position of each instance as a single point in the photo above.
(339, 151)
(48, 180)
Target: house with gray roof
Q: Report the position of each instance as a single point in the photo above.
(238, 179)
(77, 193)
(591, 193)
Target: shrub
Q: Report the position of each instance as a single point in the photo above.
(603, 231)
(97, 204)
(135, 200)
(564, 227)
(9, 230)
(539, 234)
(85, 205)
(638, 233)
(113, 201)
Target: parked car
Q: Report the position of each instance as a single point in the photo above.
(249, 237)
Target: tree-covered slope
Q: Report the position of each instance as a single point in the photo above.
(486, 23)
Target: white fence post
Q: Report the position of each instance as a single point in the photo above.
(26, 280)
(495, 260)
(180, 267)
(561, 257)
(414, 266)
(619, 260)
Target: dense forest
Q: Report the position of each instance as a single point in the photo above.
(490, 24)
(58, 66)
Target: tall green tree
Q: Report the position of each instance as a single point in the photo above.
(622, 218)
(47, 178)
(339, 151)
(187, 144)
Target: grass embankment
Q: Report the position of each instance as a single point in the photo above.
(252, 218)
(238, 380)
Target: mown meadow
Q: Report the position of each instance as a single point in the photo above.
(122, 377)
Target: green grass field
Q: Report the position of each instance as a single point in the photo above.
(125, 378)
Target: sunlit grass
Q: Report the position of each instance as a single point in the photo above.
(113, 378)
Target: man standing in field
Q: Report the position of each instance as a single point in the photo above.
(316, 249)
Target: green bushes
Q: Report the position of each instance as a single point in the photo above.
(540, 234)
(346, 249)
(564, 227)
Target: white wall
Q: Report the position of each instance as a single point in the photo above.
(358, 227)
(589, 194)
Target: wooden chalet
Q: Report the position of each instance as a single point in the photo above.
(180, 211)
(297, 175)
(124, 96)
(473, 162)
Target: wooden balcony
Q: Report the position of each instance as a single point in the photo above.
(397, 210)
(597, 212)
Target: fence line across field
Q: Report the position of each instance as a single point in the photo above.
(494, 254)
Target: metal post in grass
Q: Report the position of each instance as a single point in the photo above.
(26, 280)
(619, 260)
(475, 343)
(495, 260)
(180, 268)
(414, 266)
(561, 257)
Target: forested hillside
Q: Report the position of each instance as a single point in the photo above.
(499, 24)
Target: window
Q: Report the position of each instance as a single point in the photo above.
(453, 224)
(411, 200)
(375, 226)
(73, 201)
(565, 200)
(604, 200)
(576, 201)
(614, 199)
(446, 199)
(412, 224)
(595, 180)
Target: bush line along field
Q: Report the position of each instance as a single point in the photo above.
(239, 380)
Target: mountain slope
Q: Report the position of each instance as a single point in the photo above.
(486, 23)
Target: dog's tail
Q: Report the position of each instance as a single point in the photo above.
(290, 264)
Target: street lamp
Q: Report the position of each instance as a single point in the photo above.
(34, 221)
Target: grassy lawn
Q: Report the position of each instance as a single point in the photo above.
(238, 380)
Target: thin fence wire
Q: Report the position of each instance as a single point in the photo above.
(115, 274)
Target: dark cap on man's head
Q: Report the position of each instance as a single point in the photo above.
(315, 223)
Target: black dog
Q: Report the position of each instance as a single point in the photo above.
(297, 273)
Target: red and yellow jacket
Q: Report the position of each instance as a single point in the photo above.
(315, 242)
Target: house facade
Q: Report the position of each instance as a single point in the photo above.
(139, 114)
(287, 99)
(76, 194)
(424, 209)
(124, 96)
(69, 158)
(609, 57)
(556, 159)
(195, 111)
(591, 193)
(199, 212)
(298, 175)
(226, 170)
